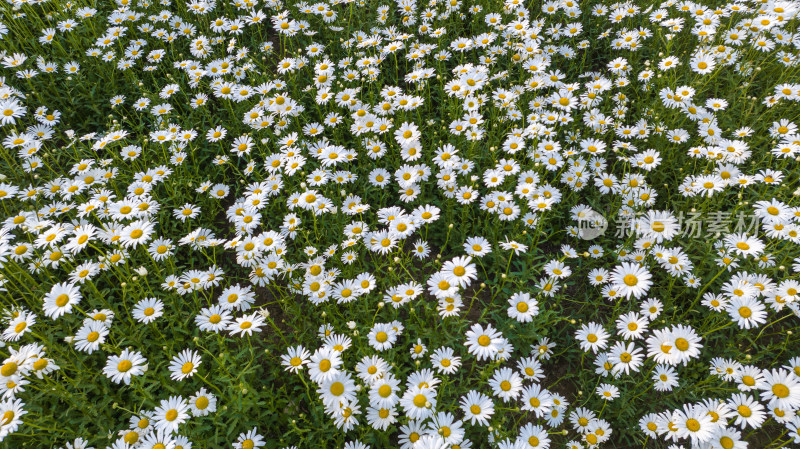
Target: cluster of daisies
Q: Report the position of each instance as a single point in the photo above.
(713, 422)
(343, 156)
(430, 424)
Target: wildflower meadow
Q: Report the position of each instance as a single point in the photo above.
(405, 224)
